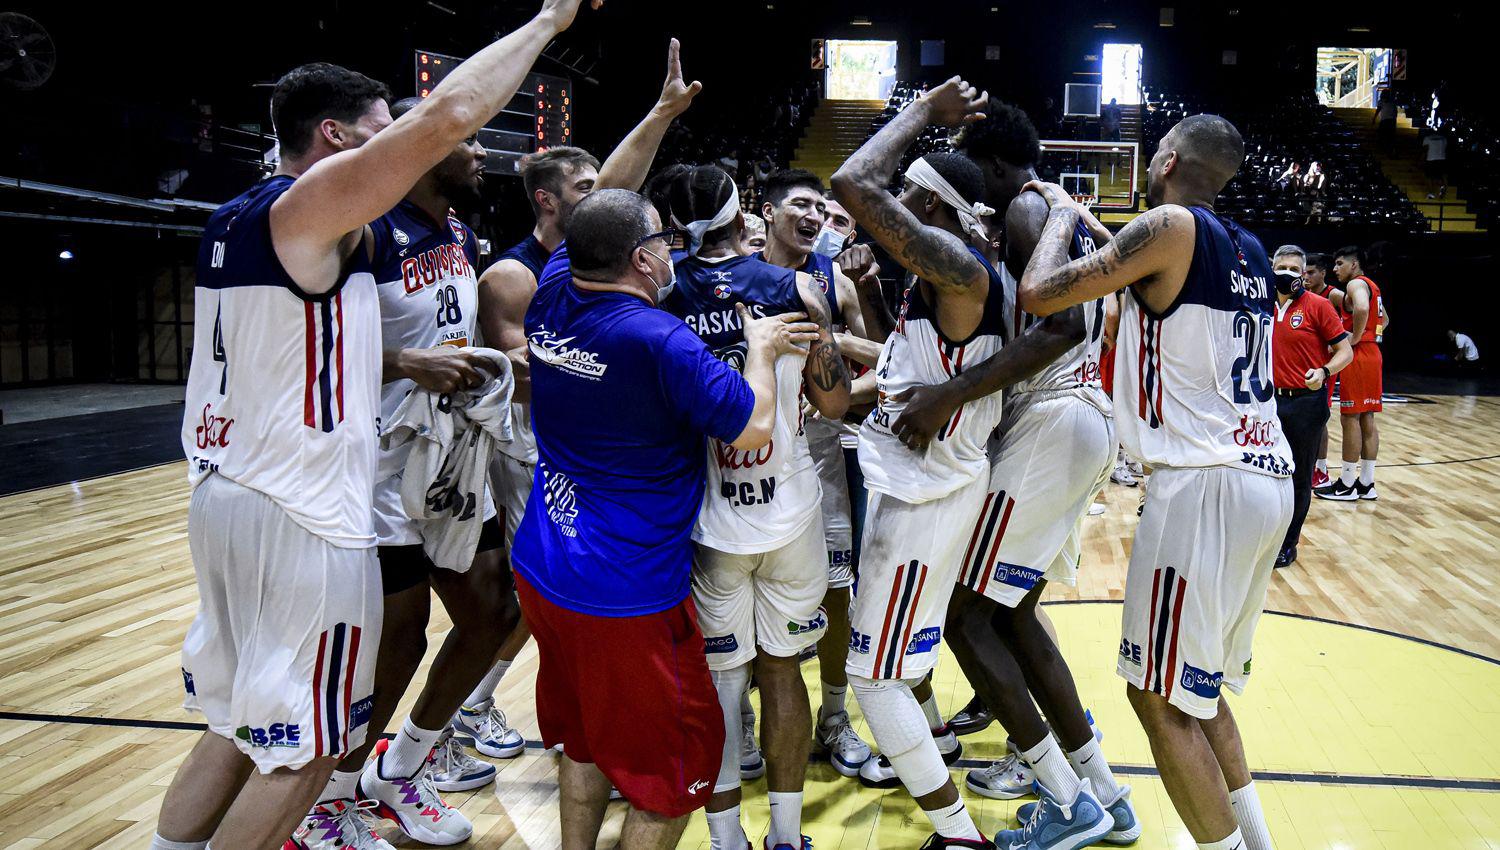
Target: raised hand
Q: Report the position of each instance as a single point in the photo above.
(676, 96)
(563, 12)
(955, 103)
(1054, 193)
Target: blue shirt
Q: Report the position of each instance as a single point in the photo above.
(622, 395)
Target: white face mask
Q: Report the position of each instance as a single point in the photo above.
(830, 243)
(664, 289)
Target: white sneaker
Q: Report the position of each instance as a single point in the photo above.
(847, 752)
(878, 772)
(336, 825)
(1096, 509)
(455, 770)
(492, 736)
(1123, 476)
(413, 803)
(1006, 779)
(752, 764)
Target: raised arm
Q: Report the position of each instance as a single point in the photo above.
(631, 160)
(824, 375)
(1152, 252)
(344, 192)
(935, 255)
(505, 291)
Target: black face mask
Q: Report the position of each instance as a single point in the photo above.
(1289, 283)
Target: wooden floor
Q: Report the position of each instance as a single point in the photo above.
(1361, 739)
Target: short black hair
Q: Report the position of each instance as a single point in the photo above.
(403, 106)
(309, 93)
(604, 229)
(659, 184)
(698, 194)
(1006, 133)
(1351, 251)
(1212, 144)
(780, 183)
(1320, 261)
(960, 172)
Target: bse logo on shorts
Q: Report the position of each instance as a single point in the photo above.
(924, 641)
(1203, 684)
(559, 496)
(859, 642)
(723, 291)
(546, 347)
(275, 735)
(1130, 651)
(720, 644)
(818, 623)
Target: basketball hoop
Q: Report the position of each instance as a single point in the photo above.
(1088, 201)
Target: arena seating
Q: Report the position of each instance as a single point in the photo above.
(747, 142)
(1473, 140)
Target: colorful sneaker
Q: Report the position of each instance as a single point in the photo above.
(943, 842)
(752, 765)
(1006, 779)
(1054, 825)
(485, 725)
(1338, 491)
(972, 718)
(1127, 829)
(455, 770)
(878, 773)
(847, 752)
(413, 803)
(1320, 478)
(336, 825)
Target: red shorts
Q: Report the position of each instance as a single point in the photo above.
(631, 695)
(1107, 372)
(1360, 382)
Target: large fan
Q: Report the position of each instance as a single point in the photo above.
(27, 54)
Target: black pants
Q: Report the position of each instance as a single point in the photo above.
(1302, 420)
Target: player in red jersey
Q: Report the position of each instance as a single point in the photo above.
(1363, 313)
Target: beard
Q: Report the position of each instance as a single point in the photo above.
(459, 188)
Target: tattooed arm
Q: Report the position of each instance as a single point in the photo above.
(825, 375)
(933, 254)
(1152, 253)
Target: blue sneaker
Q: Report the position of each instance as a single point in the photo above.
(1126, 831)
(806, 844)
(1098, 733)
(1054, 825)
(455, 770)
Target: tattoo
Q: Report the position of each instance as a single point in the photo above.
(1060, 277)
(827, 371)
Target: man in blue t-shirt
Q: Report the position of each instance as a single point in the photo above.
(623, 395)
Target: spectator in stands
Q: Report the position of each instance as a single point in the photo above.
(1385, 122)
(1109, 121)
(1290, 179)
(1435, 162)
(1313, 180)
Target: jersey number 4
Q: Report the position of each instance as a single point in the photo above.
(1251, 373)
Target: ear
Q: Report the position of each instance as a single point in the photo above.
(543, 200)
(932, 203)
(1169, 164)
(765, 212)
(332, 132)
(639, 261)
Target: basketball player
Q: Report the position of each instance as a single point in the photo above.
(281, 519)
(1054, 453)
(1193, 390)
(1319, 267)
(1363, 312)
(920, 503)
(797, 212)
(423, 255)
(758, 569)
(555, 180)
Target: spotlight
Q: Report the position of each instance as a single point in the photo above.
(65, 254)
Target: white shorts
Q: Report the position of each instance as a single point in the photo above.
(1196, 585)
(1053, 456)
(510, 481)
(909, 559)
(393, 527)
(773, 600)
(281, 656)
(827, 452)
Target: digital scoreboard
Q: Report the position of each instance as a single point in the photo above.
(539, 117)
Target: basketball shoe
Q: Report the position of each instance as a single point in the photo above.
(337, 825)
(413, 803)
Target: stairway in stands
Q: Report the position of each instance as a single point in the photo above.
(836, 130)
(1447, 215)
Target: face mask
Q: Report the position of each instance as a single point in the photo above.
(664, 289)
(830, 243)
(1288, 282)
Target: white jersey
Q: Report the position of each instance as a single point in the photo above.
(284, 388)
(761, 500)
(918, 354)
(1193, 385)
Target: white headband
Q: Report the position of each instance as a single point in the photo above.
(923, 174)
(724, 216)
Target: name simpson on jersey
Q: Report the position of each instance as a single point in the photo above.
(720, 321)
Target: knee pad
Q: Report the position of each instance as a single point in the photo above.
(731, 686)
(901, 732)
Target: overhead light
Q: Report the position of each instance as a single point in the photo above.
(861, 21)
(1104, 25)
(65, 254)
(1359, 29)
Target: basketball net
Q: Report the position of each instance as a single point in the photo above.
(1088, 201)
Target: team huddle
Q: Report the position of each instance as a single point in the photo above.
(680, 462)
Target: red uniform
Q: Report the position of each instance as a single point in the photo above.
(1306, 327)
(1360, 384)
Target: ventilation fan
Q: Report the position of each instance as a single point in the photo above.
(27, 54)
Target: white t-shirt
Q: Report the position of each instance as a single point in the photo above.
(1467, 351)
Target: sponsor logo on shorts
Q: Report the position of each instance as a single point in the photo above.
(1203, 684)
(697, 786)
(1247, 666)
(359, 713)
(816, 624)
(187, 683)
(1016, 575)
(838, 557)
(1130, 651)
(924, 641)
(722, 643)
(859, 642)
(275, 735)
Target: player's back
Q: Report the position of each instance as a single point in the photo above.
(918, 353)
(1078, 367)
(755, 500)
(1193, 384)
(1375, 324)
(283, 391)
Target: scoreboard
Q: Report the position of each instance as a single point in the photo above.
(539, 117)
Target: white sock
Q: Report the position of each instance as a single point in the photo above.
(409, 751)
(1232, 841)
(833, 699)
(1350, 473)
(930, 711)
(745, 707)
(1252, 821)
(1052, 768)
(1367, 472)
(724, 830)
(1089, 763)
(159, 843)
(1321, 465)
(953, 821)
(786, 818)
(342, 785)
(485, 690)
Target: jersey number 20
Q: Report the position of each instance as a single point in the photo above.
(1251, 373)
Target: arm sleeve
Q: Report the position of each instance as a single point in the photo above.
(714, 398)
